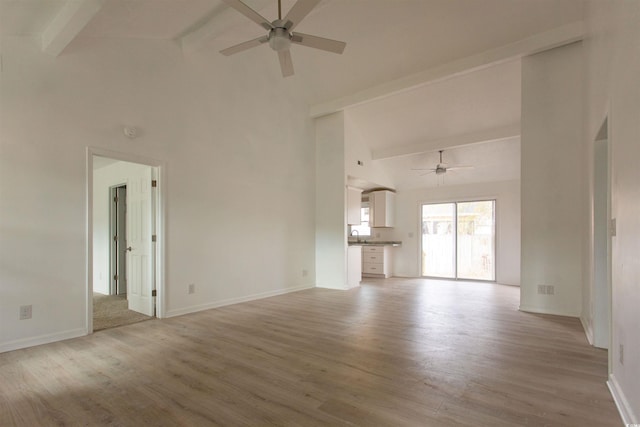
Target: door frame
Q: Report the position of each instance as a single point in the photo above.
(158, 218)
(496, 236)
(602, 241)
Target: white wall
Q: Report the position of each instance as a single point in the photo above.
(239, 175)
(331, 203)
(612, 66)
(371, 171)
(507, 196)
(553, 180)
(103, 179)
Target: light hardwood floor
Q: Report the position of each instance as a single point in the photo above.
(392, 352)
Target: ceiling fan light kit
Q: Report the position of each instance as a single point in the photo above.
(279, 38)
(281, 35)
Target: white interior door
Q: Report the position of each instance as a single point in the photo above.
(139, 245)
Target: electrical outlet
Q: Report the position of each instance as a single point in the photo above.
(621, 354)
(192, 288)
(25, 312)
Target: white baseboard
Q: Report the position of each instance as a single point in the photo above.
(587, 330)
(513, 285)
(231, 301)
(538, 310)
(42, 339)
(628, 417)
(337, 288)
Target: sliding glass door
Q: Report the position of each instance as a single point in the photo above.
(439, 240)
(458, 240)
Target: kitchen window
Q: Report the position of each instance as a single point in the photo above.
(363, 230)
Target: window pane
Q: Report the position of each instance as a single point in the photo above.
(476, 231)
(363, 229)
(438, 240)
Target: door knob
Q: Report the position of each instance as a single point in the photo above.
(128, 249)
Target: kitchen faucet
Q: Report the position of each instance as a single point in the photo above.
(357, 235)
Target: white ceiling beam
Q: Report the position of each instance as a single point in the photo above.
(72, 18)
(560, 36)
(497, 134)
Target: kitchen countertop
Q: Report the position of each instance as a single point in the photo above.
(375, 243)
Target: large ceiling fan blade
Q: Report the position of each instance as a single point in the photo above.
(452, 168)
(249, 13)
(318, 42)
(423, 169)
(244, 46)
(427, 173)
(298, 13)
(286, 64)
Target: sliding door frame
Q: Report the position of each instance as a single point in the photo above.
(495, 238)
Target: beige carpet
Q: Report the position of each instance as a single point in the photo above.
(110, 311)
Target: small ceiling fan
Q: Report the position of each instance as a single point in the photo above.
(280, 34)
(441, 168)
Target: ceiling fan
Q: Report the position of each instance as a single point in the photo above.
(441, 168)
(280, 34)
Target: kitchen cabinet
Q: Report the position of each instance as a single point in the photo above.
(377, 261)
(354, 202)
(354, 266)
(382, 208)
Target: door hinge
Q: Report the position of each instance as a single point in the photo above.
(153, 238)
(153, 293)
(115, 238)
(154, 183)
(115, 277)
(115, 199)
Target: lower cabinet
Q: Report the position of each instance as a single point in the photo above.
(377, 261)
(354, 266)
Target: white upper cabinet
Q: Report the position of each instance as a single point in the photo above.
(354, 202)
(382, 208)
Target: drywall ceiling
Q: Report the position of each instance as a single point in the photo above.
(406, 130)
(490, 162)
(476, 102)
(27, 17)
(150, 19)
(386, 40)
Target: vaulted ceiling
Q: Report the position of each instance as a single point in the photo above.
(416, 76)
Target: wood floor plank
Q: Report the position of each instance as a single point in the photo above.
(392, 352)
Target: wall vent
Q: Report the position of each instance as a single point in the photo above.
(546, 290)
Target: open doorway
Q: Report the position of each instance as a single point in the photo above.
(124, 204)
